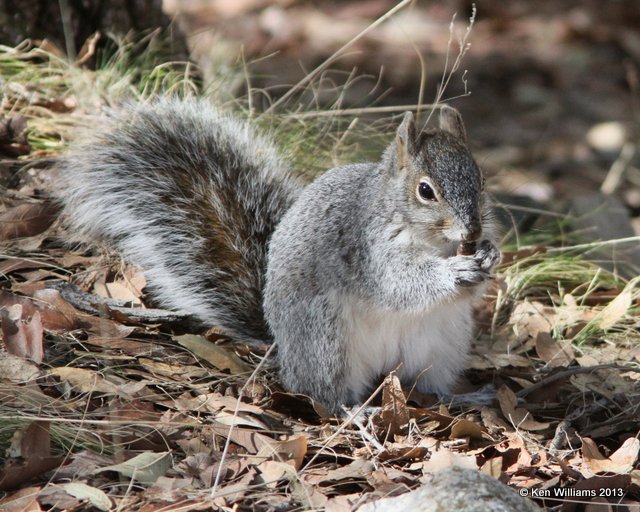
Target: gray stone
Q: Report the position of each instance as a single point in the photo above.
(456, 489)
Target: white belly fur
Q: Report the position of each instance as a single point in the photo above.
(428, 349)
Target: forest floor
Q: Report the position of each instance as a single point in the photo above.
(110, 403)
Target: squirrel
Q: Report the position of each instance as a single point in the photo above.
(370, 268)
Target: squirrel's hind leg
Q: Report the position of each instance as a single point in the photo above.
(311, 355)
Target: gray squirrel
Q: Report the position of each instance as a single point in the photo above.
(372, 267)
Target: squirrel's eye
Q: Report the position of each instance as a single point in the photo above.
(426, 192)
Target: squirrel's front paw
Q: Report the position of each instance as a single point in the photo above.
(487, 256)
(467, 271)
(477, 268)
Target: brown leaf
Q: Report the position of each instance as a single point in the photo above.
(444, 458)
(52, 319)
(553, 352)
(103, 327)
(393, 418)
(14, 264)
(400, 452)
(16, 369)
(219, 356)
(293, 449)
(517, 416)
(33, 445)
(272, 471)
(27, 219)
(22, 335)
(530, 318)
(622, 461)
(250, 440)
(617, 308)
(464, 428)
(24, 500)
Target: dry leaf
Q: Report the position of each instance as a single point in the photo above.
(16, 369)
(146, 467)
(616, 309)
(622, 461)
(531, 318)
(393, 417)
(271, 471)
(85, 381)
(116, 290)
(293, 449)
(517, 416)
(22, 334)
(444, 458)
(219, 356)
(96, 497)
(553, 352)
(33, 445)
(27, 219)
(24, 500)
(250, 440)
(464, 428)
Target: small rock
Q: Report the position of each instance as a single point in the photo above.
(607, 137)
(462, 490)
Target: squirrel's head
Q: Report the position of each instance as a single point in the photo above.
(442, 185)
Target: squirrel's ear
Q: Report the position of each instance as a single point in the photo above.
(451, 121)
(406, 137)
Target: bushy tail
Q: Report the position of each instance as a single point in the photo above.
(191, 195)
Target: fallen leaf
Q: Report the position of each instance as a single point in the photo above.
(464, 428)
(33, 445)
(27, 219)
(24, 500)
(52, 319)
(621, 462)
(146, 467)
(250, 440)
(85, 381)
(393, 417)
(293, 449)
(517, 416)
(553, 352)
(84, 492)
(116, 290)
(219, 356)
(16, 369)
(530, 318)
(444, 458)
(22, 334)
(272, 471)
(616, 309)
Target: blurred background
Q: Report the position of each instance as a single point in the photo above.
(549, 89)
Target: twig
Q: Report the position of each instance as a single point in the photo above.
(364, 433)
(343, 426)
(569, 372)
(360, 111)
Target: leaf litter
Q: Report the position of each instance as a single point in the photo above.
(94, 394)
